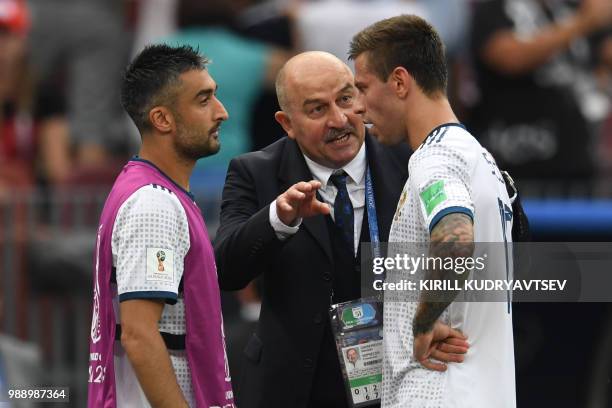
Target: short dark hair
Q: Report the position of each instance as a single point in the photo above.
(150, 79)
(404, 41)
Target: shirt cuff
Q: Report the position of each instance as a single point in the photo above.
(449, 210)
(170, 297)
(281, 230)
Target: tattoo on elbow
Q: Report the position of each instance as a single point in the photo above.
(453, 237)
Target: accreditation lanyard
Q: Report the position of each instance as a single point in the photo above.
(370, 204)
(357, 329)
(372, 217)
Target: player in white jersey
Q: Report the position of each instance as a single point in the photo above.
(455, 194)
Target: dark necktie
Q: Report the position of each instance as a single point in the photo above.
(343, 210)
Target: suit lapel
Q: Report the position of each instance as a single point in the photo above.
(293, 169)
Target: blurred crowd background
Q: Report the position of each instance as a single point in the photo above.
(540, 100)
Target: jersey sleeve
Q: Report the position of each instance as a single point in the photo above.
(149, 243)
(440, 174)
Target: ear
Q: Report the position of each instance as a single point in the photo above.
(162, 119)
(285, 121)
(401, 82)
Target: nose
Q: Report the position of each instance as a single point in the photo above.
(221, 114)
(359, 106)
(337, 118)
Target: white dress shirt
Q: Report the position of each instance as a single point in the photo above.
(355, 184)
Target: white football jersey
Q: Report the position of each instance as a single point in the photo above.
(452, 173)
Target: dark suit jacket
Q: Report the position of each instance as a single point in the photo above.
(281, 355)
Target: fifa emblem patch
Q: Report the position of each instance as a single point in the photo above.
(433, 195)
(400, 205)
(160, 265)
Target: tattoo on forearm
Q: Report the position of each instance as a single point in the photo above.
(452, 237)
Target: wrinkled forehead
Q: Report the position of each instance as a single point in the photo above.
(323, 80)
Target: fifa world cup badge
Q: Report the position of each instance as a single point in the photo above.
(160, 265)
(400, 206)
(161, 257)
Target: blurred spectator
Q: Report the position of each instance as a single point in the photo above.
(33, 142)
(241, 68)
(270, 22)
(84, 42)
(319, 28)
(539, 101)
(155, 19)
(313, 25)
(603, 73)
(603, 63)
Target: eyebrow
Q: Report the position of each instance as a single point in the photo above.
(206, 92)
(315, 100)
(347, 87)
(311, 101)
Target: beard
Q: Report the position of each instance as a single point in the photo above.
(195, 144)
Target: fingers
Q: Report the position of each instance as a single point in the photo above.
(320, 208)
(447, 357)
(446, 353)
(302, 190)
(298, 193)
(450, 348)
(305, 193)
(427, 363)
(442, 332)
(300, 201)
(445, 344)
(284, 206)
(295, 195)
(456, 342)
(306, 186)
(456, 333)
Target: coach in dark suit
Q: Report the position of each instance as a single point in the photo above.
(286, 216)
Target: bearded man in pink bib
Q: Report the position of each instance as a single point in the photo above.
(157, 330)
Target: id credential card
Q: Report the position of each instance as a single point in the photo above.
(358, 331)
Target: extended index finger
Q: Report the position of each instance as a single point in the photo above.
(307, 186)
(315, 184)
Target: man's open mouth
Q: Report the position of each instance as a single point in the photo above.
(340, 138)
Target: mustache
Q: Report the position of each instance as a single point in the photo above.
(333, 134)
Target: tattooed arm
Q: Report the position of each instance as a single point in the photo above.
(452, 237)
